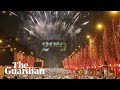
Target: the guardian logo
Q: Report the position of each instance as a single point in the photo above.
(20, 68)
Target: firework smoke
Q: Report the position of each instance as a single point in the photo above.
(54, 25)
(50, 25)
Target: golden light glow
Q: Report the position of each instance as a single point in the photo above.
(4, 12)
(11, 49)
(14, 48)
(114, 12)
(1, 41)
(75, 49)
(10, 14)
(79, 46)
(99, 26)
(8, 45)
(16, 38)
(88, 36)
(31, 53)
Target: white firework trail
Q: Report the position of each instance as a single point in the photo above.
(85, 23)
(75, 20)
(68, 12)
(56, 14)
(13, 13)
(45, 14)
(78, 30)
(37, 20)
(44, 24)
(76, 15)
(32, 19)
(29, 31)
(16, 15)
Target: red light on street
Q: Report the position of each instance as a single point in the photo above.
(114, 69)
(92, 66)
(111, 68)
(119, 65)
(95, 66)
(110, 65)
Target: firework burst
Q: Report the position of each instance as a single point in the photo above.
(50, 25)
(53, 25)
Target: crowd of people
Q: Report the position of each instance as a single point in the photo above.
(50, 73)
(56, 73)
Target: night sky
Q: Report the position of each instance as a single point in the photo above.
(11, 25)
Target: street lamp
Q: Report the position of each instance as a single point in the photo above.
(114, 12)
(99, 26)
(88, 36)
(1, 41)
